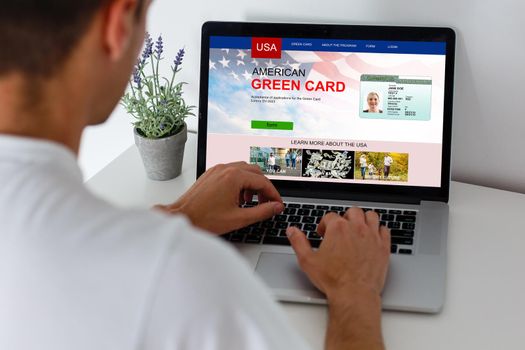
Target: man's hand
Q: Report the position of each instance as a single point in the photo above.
(353, 255)
(350, 267)
(212, 203)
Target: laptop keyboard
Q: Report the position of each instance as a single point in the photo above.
(402, 224)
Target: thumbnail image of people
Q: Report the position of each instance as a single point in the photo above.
(293, 156)
(277, 161)
(388, 166)
(373, 102)
(328, 164)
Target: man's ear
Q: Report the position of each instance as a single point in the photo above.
(119, 21)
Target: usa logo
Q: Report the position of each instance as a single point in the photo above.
(266, 48)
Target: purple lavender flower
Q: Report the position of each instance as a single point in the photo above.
(159, 47)
(148, 48)
(139, 64)
(136, 77)
(178, 58)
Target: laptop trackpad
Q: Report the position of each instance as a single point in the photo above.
(281, 273)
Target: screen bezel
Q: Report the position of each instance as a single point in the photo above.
(355, 191)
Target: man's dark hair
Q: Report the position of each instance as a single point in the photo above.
(36, 36)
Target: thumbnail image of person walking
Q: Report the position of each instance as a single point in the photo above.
(387, 163)
(287, 157)
(363, 165)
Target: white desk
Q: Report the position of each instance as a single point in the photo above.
(485, 305)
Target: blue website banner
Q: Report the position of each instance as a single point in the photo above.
(337, 45)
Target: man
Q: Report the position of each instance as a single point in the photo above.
(271, 163)
(387, 161)
(362, 164)
(77, 273)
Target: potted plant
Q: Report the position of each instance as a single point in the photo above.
(159, 110)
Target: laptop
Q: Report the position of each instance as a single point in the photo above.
(336, 116)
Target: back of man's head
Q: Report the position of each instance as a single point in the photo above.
(36, 36)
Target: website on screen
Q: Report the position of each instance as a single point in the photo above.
(325, 110)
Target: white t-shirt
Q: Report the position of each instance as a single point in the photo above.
(362, 162)
(78, 273)
(388, 161)
(271, 160)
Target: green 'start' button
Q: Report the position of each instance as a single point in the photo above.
(268, 124)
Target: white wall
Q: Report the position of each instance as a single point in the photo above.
(489, 117)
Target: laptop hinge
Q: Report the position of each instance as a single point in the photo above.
(362, 197)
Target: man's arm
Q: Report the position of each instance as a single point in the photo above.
(212, 203)
(350, 268)
(355, 323)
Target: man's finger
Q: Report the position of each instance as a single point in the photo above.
(254, 169)
(300, 245)
(260, 212)
(325, 221)
(245, 166)
(384, 233)
(260, 184)
(355, 214)
(372, 219)
(236, 164)
(262, 198)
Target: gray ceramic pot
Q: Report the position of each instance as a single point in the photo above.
(162, 158)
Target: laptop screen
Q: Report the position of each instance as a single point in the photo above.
(328, 110)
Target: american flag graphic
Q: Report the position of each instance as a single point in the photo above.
(239, 65)
(319, 66)
(329, 114)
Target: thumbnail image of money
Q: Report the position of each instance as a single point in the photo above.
(328, 164)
